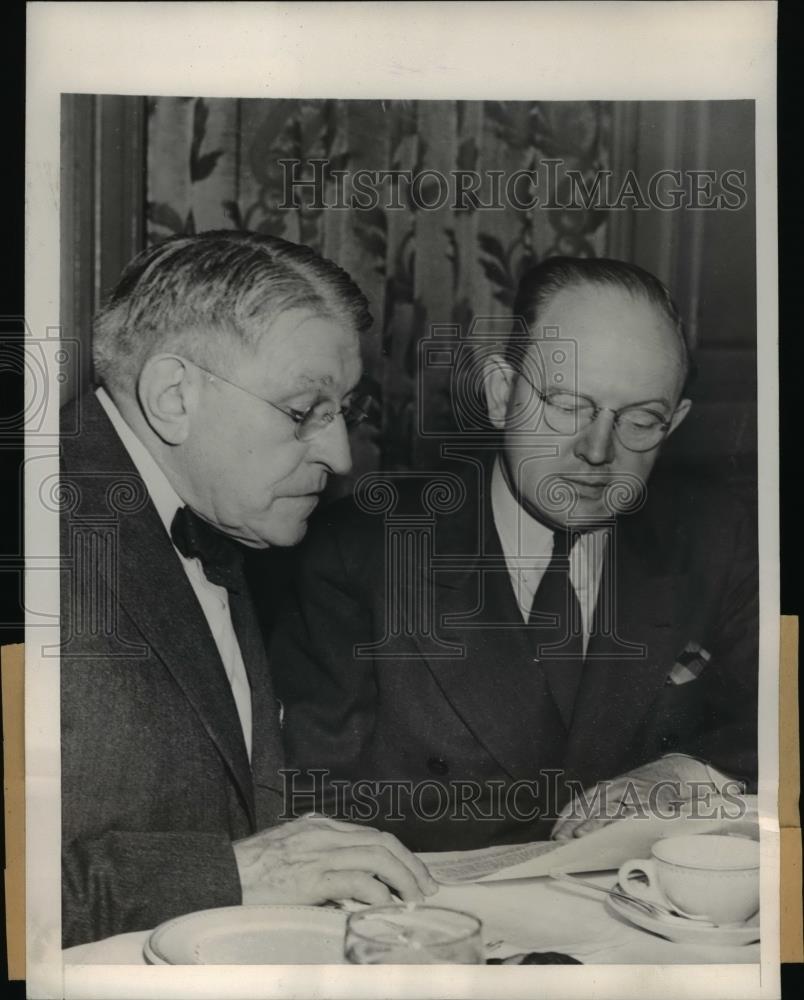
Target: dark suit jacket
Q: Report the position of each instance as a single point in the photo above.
(684, 571)
(156, 781)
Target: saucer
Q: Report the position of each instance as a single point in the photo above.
(684, 931)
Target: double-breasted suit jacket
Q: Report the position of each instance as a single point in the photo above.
(459, 700)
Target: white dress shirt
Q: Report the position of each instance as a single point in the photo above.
(214, 600)
(527, 546)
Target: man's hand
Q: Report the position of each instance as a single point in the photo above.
(315, 860)
(662, 788)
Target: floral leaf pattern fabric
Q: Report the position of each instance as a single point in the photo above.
(289, 168)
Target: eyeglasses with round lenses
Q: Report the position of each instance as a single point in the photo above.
(315, 418)
(638, 428)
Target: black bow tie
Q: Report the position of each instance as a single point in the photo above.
(221, 556)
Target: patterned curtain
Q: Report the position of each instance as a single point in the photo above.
(216, 164)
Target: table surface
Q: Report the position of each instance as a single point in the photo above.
(537, 914)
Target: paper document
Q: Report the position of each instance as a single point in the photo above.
(602, 850)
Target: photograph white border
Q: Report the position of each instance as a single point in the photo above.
(545, 51)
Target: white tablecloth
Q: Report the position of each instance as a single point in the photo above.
(529, 915)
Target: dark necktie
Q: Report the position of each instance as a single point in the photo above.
(555, 616)
(223, 562)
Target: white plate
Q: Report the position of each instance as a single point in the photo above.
(684, 931)
(250, 935)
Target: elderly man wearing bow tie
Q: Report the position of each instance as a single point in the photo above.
(227, 367)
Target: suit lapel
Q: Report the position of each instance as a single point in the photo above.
(498, 689)
(161, 604)
(495, 687)
(625, 666)
(266, 749)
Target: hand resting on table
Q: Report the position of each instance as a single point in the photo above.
(314, 860)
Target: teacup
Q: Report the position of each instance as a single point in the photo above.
(707, 875)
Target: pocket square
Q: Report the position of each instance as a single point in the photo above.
(689, 664)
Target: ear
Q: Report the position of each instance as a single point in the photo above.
(498, 381)
(167, 390)
(679, 414)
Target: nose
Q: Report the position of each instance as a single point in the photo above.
(595, 444)
(331, 447)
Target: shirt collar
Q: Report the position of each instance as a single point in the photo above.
(166, 500)
(521, 535)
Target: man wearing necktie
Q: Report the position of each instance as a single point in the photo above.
(227, 367)
(581, 631)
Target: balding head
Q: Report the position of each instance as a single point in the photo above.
(542, 283)
(588, 388)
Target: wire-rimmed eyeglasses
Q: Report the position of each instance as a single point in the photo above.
(315, 418)
(638, 427)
